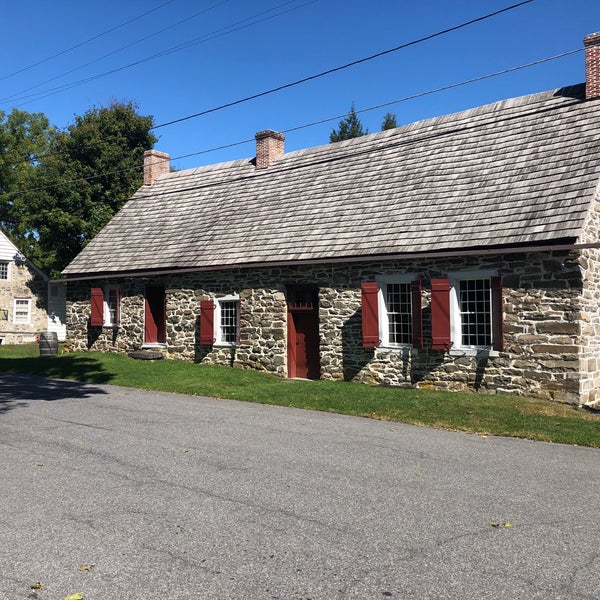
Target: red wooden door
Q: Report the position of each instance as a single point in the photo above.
(303, 356)
(155, 327)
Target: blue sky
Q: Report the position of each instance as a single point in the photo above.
(238, 49)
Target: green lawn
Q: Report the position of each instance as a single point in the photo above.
(477, 413)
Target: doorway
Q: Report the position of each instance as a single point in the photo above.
(303, 332)
(155, 324)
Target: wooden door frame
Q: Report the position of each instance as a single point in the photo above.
(308, 304)
(161, 326)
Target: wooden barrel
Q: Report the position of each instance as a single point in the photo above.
(48, 343)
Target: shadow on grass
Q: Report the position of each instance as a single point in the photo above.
(82, 368)
(25, 379)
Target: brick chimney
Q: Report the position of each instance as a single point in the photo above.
(155, 164)
(269, 146)
(592, 65)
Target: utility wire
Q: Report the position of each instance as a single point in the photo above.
(49, 58)
(314, 123)
(243, 24)
(420, 40)
(439, 89)
(346, 66)
(95, 60)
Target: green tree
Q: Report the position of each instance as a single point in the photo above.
(24, 138)
(92, 168)
(389, 121)
(348, 128)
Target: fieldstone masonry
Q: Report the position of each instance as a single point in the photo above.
(589, 355)
(23, 282)
(551, 323)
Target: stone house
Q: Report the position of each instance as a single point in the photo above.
(460, 252)
(23, 296)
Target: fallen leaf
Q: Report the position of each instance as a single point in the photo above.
(505, 524)
(37, 586)
(84, 568)
(40, 465)
(77, 596)
(419, 474)
(186, 450)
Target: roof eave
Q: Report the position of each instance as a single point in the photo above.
(556, 245)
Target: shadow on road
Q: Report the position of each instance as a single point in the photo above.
(20, 389)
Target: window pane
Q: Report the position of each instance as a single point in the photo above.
(475, 312)
(229, 320)
(112, 299)
(399, 311)
(3, 270)
(21, 311)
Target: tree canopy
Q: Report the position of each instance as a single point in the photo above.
(24, 137)
(389, 121)
(351, 127)
(348, 128)
(79, 180)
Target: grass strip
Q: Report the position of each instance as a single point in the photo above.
(487, 414)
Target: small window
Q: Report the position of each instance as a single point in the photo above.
(3, 269)
(476, 310)
(398, 306)
(111, 306)
(474, 301)
(396, 314)
(227, 320)
(22, 311)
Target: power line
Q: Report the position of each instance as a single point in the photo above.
(49, 58)
(439, 89)
(368, 58)
(204, 38)
(319, 122)
(346, 66)
(131, 44)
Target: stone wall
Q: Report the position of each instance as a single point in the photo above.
(590, 310)
(23, 282)
(543, 322)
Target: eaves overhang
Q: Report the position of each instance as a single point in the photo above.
(558, 245)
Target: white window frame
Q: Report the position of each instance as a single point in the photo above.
(7, 264)
(219, 341)
(15, 304)
(106, 311)
(384, 322)
(455, 313)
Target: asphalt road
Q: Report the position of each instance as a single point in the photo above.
(124, 494)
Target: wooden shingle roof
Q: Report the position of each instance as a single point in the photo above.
(517, 172)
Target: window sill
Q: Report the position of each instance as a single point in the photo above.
(477, 352)
(225, 345)
(394, 350)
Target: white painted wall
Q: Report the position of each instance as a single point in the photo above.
(7, 248)
(57, 309)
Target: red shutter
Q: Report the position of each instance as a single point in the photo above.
(417, 315)
(370, 314)
(207, 322)
(97, 312)
(440, 314)
(497, 314)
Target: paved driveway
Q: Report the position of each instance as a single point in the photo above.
(161, 496)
